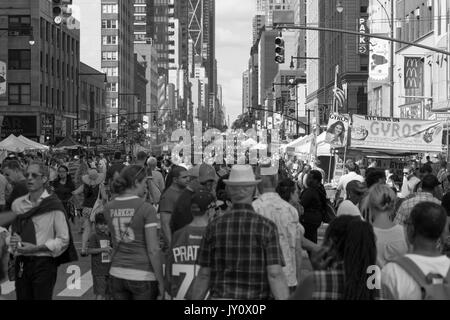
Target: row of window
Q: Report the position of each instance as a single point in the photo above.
(57, 67)
(110, 40)
(109, 24)
(51, 33)
(110, 8)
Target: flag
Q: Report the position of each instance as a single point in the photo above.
(339, 99)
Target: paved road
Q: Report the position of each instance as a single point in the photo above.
(65, 288)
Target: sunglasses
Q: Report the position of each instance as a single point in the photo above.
(33, 175)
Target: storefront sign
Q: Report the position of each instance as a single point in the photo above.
(396, 134)
(19, 125)
(363, 44)
(413, 72)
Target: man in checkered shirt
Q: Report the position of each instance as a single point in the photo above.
(240, 255)
(429, 185)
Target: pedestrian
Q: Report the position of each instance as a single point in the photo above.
(182, 216)
(346, 178)
(314, 201)
(100, 249)
(204, 178)
(169, 199)
(302, 177)
(40, 235)
(181, 263)
(128, 160)
(409, 182)
(271, 206)
(113, 171)
(355, 191)
(409, 277)
(446, 234)
(3, 191)
(429, 185)
(14, 174)
(288, 191)
(391, 240)
(340, 266)
(240, 256)
(136, 267)
(158, 178)
(63, 188)
(92, 190)
(443, 177)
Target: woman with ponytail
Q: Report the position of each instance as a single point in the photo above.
(391, 240)
(341, 266)
(136, 268)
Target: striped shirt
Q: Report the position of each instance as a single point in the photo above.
(407, 206)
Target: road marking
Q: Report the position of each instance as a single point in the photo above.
(86, 284)
(8, 287)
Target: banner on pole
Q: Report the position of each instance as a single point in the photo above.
(337, 130)
(2, 78)
(396, 134)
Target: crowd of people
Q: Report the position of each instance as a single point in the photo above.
(156, 230)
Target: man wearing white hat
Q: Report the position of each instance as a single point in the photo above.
(270, 205)
(240, 255)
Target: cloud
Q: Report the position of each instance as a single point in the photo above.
(233, 43)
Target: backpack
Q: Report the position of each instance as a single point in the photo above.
(434, 287)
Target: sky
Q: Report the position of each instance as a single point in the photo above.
(233, 43)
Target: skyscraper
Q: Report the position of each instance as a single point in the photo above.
(111, 23)
(158, 30)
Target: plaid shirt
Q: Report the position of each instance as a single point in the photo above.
(238, 247)
(406, 207)
(329, 284)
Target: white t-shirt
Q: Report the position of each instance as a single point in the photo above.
(402, 285)
(391, 244)
(345, 179)
(348, 208)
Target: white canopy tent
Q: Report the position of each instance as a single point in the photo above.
(35, 145)
(17, 144)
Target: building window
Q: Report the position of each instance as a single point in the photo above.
(109, 24)
(109, 8)
(111, 87)
(111, 71)
(19, 93)
(109, 40)
(109, 55)
(19, 25)
(19, 59)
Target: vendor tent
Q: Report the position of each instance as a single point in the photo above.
(14, 144)
(35, 145)
(68, 144)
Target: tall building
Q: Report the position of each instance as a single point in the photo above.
(270, 5)
(312, 50)
(40, 97)
(421, 76)
(268, 68)
(147, 54)
(245, 91)
(93, 113)
(158, 14)
(338, 49)
(114, 19)
(142, 14)
(257, 25)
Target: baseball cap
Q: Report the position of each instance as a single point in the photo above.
(194, 171)
(206, 173)
(201, 201)
(356, 187)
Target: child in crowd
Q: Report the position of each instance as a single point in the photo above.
(99, 248)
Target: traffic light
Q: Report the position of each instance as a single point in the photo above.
(61, 11)
(279, 49)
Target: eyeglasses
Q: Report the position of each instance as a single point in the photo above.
(33, 175)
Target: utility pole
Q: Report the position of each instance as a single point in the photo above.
(392, 61)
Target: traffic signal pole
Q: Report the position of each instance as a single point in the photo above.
(359, 34)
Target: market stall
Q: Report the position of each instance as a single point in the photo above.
(15, 144)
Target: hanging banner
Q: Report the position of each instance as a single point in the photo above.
(396, 134)
(379, 60)
(2, 78)
(337, 130)
(338, 168)
(413, 72)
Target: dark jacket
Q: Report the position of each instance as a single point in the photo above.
(313, 201)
